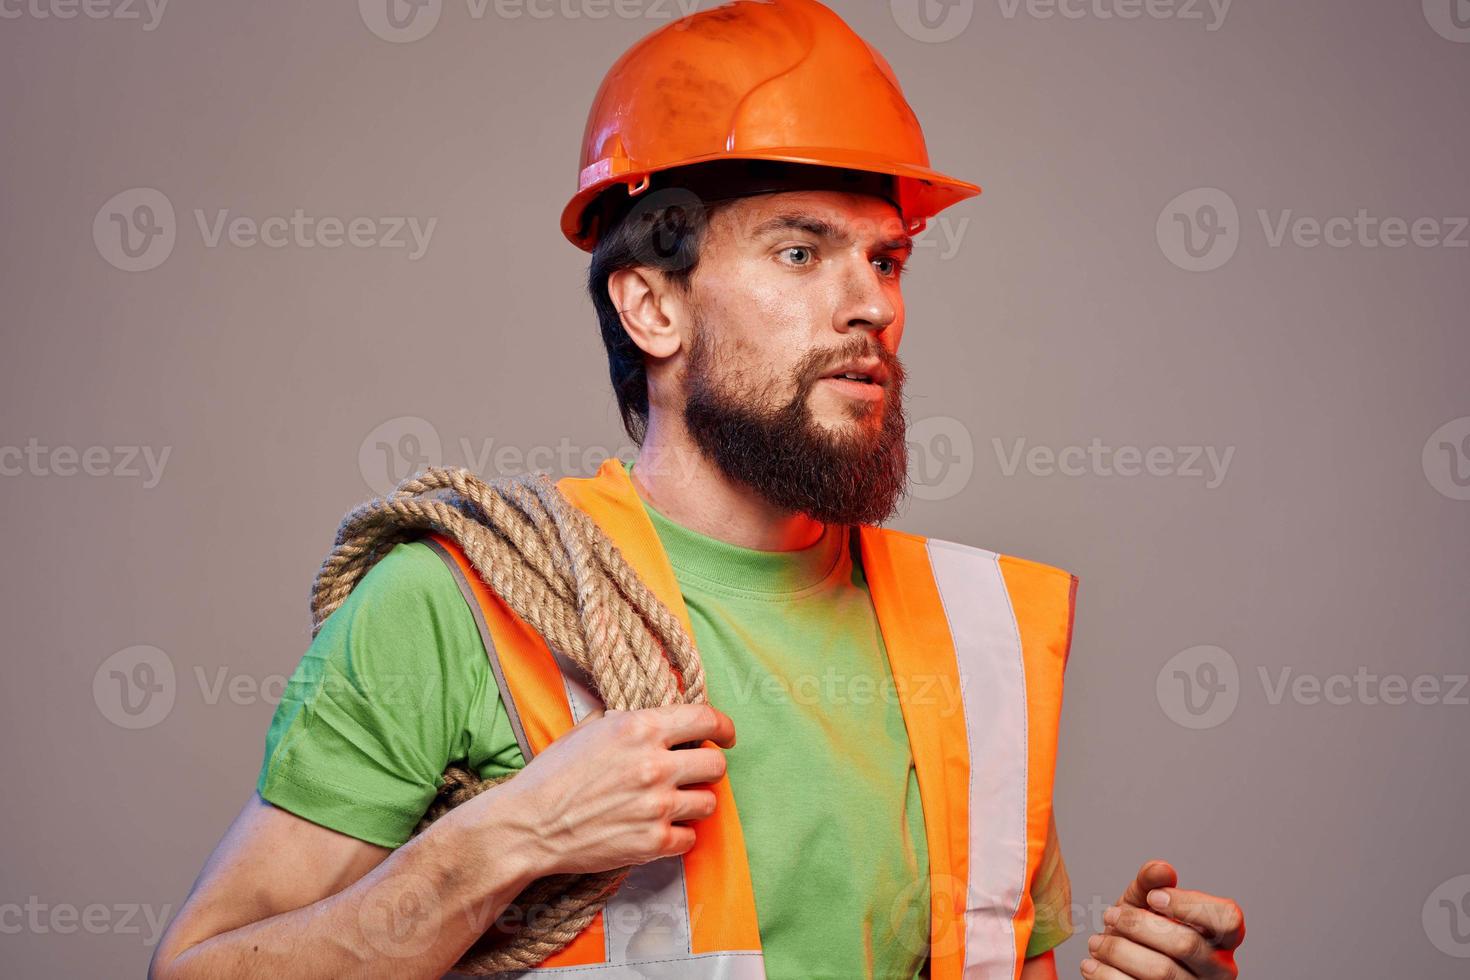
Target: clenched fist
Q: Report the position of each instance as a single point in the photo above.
(616, 789)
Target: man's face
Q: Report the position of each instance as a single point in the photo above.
(793, 290)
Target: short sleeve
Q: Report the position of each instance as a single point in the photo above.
(1051, 893)
(384, 698)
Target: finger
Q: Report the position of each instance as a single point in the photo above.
(1093, 970)
(693, 804)
(1162, 934)
(696, 723)
(1153, 874)
(1132, 959)
(680, 841)
(1220, 919)
(698, 765)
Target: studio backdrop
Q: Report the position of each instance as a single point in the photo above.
(1202, 341)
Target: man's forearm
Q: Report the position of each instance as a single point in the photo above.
(413, 915)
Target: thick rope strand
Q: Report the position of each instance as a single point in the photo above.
(557, 570)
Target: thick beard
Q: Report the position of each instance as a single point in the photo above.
(785, 455)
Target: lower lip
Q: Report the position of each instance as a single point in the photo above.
(867, 390)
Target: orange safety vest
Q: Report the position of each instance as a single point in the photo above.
(977, 644)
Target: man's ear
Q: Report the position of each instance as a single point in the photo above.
(651, 310)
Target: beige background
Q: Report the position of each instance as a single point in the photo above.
(1334, 545)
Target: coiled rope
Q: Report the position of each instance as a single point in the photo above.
(551, 564)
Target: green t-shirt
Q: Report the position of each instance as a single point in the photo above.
(396, 685)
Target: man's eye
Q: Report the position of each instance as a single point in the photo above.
(801, 252)
(889, 265)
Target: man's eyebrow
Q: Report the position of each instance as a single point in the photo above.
(821, 228)
(798, 222)
(903, 243)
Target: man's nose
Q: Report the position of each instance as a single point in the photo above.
(866, 303)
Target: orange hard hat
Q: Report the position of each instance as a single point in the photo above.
(774, 80)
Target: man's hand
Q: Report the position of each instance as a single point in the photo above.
(616, 789)
(1158, 931)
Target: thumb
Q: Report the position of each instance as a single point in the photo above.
(1153, 874)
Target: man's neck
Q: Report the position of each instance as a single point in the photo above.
(684, 485)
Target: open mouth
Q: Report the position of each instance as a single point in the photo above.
(866, 371)
(856, 384)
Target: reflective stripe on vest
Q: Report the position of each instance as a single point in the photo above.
(977, 644)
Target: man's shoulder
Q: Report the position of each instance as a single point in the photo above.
(410, 582)
(959, 549)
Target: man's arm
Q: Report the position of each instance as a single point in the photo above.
(283, 895)
(1043, 967)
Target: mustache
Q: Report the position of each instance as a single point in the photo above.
(817, 363)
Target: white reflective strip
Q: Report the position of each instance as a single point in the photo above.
(706, 966)
(646, 921)
(648, 917)
(578, 686)
(993, 692)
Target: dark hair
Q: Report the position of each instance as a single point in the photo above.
(663, 232)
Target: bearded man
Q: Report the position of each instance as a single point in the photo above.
(751, 183)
